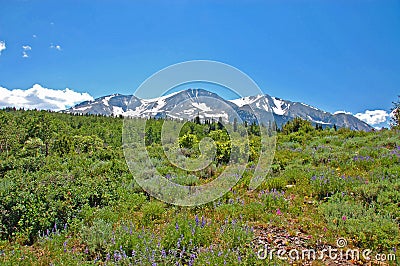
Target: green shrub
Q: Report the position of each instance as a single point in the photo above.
(152, 211)
(364, 225)
(98, 236)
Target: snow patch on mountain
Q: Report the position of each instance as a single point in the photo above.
(160, 98)
(278, 108)
(82, 108)
(246, 100)
(106, 99)
(321, 122)
(118, 111)
(312, 107)
(202, 106)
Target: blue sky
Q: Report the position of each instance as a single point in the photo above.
(335, 55)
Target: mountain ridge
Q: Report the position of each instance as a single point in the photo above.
(184, 104)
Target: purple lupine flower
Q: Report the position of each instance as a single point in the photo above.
(133, 253)
(222, 230)
(108, 257)
(203, 222)
(176, 226)
(196, 218)
(117, 257)
(123, 253)
(192, 257)
(163, 253)
(86, 250)
(65, 246)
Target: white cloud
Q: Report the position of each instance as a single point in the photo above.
(25, 49)
(342, 112)
(34, 36)
(373, 117)
(57, 47)
(2, 46)
(41, 98)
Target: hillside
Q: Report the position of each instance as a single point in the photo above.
(67, 196)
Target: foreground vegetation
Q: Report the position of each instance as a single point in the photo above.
(68, 198)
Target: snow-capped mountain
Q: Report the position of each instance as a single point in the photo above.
(189, 103)
(285, 110)
(114, 104)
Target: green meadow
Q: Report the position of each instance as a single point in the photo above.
(67, 196)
